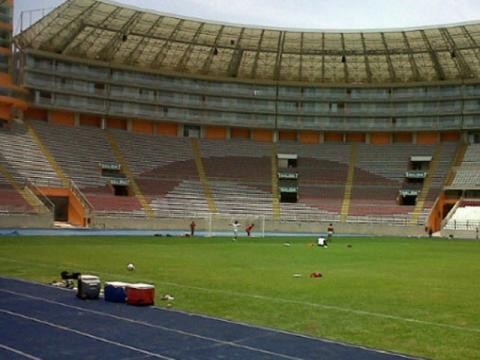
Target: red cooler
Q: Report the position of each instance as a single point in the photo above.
(140, 294)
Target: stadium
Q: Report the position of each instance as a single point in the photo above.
(116, 118)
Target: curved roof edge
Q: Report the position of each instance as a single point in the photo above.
(290, 29)
(114, 33)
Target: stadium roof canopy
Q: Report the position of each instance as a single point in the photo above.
(108, 32)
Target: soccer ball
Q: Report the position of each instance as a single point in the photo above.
(130, 267)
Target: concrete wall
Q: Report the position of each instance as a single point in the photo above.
(105, 222)
(26, 221)
(461, 234)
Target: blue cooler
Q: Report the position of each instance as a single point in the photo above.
(114, 291)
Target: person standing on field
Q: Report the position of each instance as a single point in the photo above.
(249, 228)
(330, 232)
(192, 228)
(235, 226)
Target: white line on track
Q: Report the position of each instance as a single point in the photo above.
(181, 332)
(18, 352)
(65, 328)
(289, 301)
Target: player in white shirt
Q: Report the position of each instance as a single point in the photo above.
(235, 227)
(322, 242)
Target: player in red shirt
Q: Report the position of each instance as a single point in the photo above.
(249, 229)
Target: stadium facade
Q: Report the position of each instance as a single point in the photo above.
(100, 64)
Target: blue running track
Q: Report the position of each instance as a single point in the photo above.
(43, 322)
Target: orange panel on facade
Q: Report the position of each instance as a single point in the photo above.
(142, 126)
(90, 120)
(5, 51)
(5, 112)
(113, 123)
(215, 132)
(240, 133)
(167, 129)
(449, 136)
(6, 80)
(76, 212)
(262, 135)
(379, 138)
(333, 137)
(309, 137)
(427, 138)
(35, 114)
(355, 137)
(6, 26)
(63, 118)
(287, 136)
(402, 138)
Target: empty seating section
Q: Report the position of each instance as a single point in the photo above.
(443, 166)
(185, 200)
(147, 152)
(240, 177)
(379, 174)
(79, 151)
(165, 171)
(108, 203)
(238, 173)
(466, 217)
(11, 201)
(322, 171)
(24, 157)
(237, 198)
(468, 173)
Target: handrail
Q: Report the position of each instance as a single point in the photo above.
(50, 206)
(79, 195)
(451, 212)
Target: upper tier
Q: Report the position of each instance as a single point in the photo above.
(106, 32)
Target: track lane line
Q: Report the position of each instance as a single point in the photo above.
(65, 328)
(18, 352)
(186, 333)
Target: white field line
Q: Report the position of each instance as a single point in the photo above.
(288, 301)
(18, 352)
(137, 322)
(65, 328)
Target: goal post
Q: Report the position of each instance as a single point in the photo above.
(221, 225)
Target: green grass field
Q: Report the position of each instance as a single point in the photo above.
(415, 296)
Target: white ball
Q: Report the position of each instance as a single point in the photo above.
(130, 267)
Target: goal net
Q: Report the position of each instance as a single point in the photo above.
(221, 225)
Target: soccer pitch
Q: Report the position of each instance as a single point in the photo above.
(415, 296)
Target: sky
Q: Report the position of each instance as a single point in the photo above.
(301, 14)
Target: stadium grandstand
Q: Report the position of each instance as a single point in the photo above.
(120, 117)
